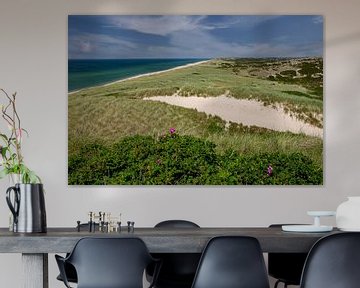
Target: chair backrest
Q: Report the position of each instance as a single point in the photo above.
(176, 224)
(178, 269)
(333, 262)
(110, 262)
(232, 262)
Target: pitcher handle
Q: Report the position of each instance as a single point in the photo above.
(13, 208)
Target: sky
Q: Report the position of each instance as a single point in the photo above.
(202, 36)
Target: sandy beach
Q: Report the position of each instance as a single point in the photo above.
(244, 111)
(158, 72)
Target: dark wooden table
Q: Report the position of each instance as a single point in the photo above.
(35, 247)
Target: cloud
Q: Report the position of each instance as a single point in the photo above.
(318, 19)
(85, 46)
(201, 44)
(251, 21)
(166, 25)
(97, 45)
(185, 37)
(157, 25)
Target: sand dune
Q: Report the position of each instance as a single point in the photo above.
(246, 112)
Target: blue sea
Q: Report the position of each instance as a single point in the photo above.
(89, 73)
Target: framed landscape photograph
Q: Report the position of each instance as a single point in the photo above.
(195, 100)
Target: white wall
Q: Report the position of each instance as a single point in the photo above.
(33, 62)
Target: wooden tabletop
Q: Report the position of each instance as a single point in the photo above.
(158, 240)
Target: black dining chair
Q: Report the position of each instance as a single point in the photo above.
(232, 262)
(286, 267)
(178, 269)
(333, 262)
(108, 263)
(70, 271)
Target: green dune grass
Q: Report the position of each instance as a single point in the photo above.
(212, 79)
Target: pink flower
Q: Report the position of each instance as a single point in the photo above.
(172, 131)
(269, 171)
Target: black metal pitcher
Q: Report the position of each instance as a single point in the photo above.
(28, 208)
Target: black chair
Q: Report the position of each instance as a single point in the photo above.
(108, 263)
(333, 262)
(286, 267)
(69, 269)
(232, 262)
(178, 269)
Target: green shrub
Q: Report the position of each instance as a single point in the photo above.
(89, 166)
(173, 159)
(287, 169)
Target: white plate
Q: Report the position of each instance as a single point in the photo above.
(306, 228)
